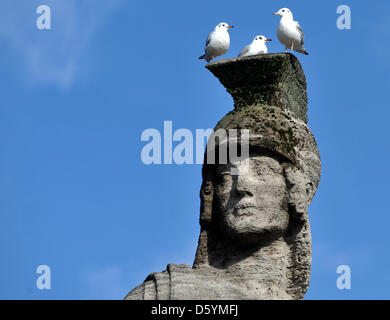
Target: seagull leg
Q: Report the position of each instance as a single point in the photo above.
(212, 57)
(292, 46)
(286, 49)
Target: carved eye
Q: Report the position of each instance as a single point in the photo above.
(309, 188)
(207, 190)
(224, 178)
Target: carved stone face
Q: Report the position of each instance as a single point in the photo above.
(254, 204)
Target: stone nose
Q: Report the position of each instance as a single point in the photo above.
(243, 187)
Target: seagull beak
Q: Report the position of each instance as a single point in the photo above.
(276, 14)
(267, 40)
(229, 27)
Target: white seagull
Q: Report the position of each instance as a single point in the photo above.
(257, 46)
(289, 31)
(218, 42)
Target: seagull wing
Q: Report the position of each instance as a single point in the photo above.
(300, 32)
(244, 51)
(211, 35)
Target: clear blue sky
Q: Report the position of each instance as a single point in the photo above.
(74, 193)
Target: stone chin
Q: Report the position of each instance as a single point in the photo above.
(254, 225)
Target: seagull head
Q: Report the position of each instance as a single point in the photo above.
(261, 38)
(284, 12)
(223, 26)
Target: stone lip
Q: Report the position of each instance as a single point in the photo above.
(271, 79)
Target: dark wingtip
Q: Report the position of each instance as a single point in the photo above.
(306, 53)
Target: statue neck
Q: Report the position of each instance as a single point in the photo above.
(270, 254)
(264, 265)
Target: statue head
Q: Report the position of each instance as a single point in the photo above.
(267, 201)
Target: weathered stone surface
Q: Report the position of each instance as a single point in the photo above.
(275, 79)
(255, 240)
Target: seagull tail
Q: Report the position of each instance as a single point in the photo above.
(303, 51)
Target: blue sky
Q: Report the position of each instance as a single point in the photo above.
(74, 193)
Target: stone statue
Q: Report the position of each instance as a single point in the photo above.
(255, 240)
